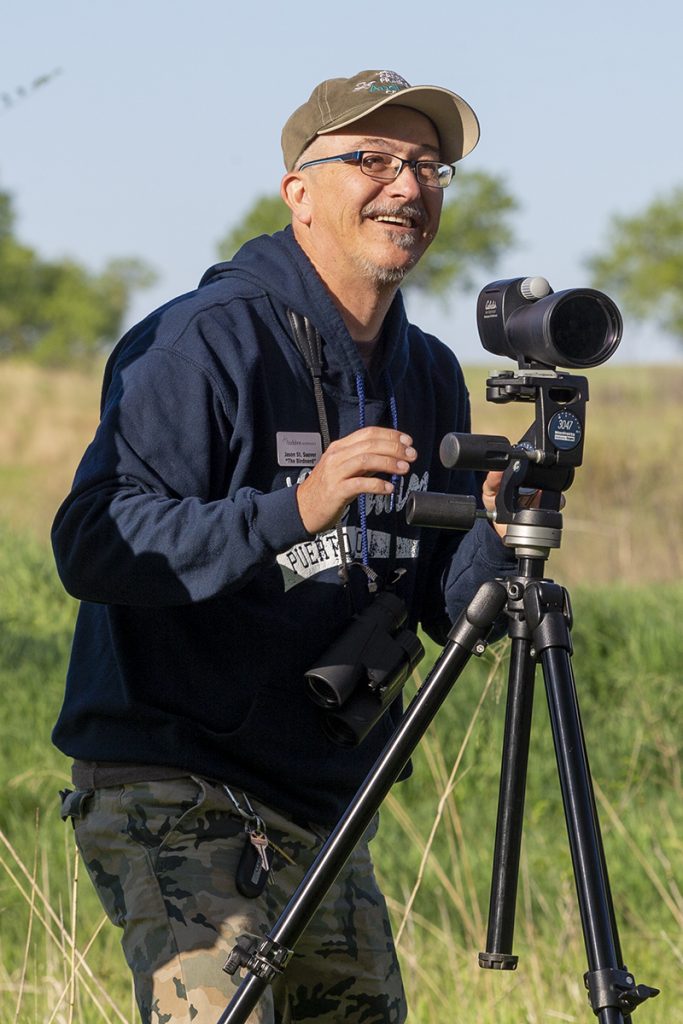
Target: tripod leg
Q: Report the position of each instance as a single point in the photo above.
(612, 990)
(271, 955)
(508, 840)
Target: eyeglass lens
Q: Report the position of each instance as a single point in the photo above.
(387, 167)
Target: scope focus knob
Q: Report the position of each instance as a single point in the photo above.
(533, 288)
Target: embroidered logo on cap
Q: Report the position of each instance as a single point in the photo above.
(389, 81)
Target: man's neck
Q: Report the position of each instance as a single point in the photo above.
(364, 311)
(362, 302)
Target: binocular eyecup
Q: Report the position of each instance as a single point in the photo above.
(364, 670)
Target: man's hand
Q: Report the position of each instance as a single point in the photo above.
(489, 493)
(347, 468)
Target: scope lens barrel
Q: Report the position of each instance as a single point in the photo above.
(585, 328)
(579, 327)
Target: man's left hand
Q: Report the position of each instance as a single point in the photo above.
(489, 493)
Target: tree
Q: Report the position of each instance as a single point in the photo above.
(57, 312)
(474, 232)
(266, 215)
(642, 264)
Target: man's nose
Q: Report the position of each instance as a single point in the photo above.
(406, 184)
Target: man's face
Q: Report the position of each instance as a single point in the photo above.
(359, 225)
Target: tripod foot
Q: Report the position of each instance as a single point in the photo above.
(610, 987)
(498, 961)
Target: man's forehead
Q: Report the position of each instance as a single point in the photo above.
(386, 142)
(386, 127)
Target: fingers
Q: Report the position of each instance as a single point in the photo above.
(377, 451)
(528, 497)
(353, 465)
(489, 493)
(490, 489)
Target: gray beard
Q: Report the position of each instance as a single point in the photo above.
(382, 275)
(386, 275)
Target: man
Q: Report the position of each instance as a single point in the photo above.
(241, 502)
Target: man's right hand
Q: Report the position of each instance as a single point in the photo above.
(347, 468)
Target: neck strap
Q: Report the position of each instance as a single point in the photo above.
(309, 343)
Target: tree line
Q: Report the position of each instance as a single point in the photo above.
(58, 312)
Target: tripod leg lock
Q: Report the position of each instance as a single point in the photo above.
(610, 987)
(549, 615)
(266, 959)
(474, 623)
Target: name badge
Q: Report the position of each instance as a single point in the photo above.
(298, 449)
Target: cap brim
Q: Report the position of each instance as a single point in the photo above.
(453, 117)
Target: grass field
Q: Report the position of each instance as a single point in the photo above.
(622, 554)
(623, 512)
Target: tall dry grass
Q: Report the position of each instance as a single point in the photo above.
(55, 983)
(47, 417)
(622, 520)
(59, 957)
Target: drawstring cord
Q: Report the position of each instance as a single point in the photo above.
(362, 503)
(391, 398)
(362, 498)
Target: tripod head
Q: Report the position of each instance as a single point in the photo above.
(524, 319)
(544, 459)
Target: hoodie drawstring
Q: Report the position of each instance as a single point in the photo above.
(362, 502)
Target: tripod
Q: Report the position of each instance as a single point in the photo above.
(539, 624)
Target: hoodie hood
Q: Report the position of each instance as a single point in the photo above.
(278, 267)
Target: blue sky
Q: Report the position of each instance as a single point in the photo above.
(163, 125)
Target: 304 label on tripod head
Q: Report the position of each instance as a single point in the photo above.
(564, 430)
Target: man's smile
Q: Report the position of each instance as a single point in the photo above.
(408, 217)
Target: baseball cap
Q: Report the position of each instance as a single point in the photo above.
(338, 102)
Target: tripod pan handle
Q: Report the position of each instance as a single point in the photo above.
(475, 451)
(446, 511)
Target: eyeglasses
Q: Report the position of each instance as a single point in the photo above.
(386, 167)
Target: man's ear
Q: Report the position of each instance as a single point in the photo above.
(295, 193)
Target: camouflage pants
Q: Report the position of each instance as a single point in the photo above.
(163, 857)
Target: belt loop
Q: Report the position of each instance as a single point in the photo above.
(83, 774)
(74, 803)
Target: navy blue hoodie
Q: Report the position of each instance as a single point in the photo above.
(204, 598)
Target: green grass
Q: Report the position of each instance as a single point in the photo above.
(434, 849)
(623, 535)
(628, 652)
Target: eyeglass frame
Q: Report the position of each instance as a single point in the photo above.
(357, 157)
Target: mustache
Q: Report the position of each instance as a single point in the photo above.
(411, 211)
